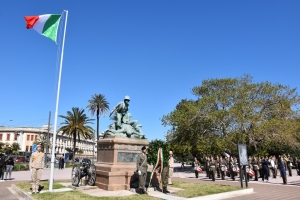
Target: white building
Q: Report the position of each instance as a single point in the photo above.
(25, 136)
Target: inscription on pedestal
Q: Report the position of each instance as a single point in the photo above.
(127, 157)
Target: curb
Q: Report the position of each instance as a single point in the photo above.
(21, 193)
(225, 195)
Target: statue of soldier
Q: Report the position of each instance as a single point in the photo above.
(121, 109)
(171, 167)
(142, 166)
(36, 166)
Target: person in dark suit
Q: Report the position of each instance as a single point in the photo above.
(265, 168)
(282, 168)
(2, 165)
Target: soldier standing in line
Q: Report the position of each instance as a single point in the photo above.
(218, 166)
(231, 166)
(228, 166)
(212, 168)
(260, 167)
(206, 166)
(289, 163)
(142, 166)
(222, 165)
(36, 166)
(255, 165)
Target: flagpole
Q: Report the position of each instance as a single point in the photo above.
(56, 107)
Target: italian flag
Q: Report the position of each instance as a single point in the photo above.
(46, 25)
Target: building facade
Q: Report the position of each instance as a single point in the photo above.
(26, 136)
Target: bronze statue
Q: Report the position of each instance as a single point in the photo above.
(124, 126)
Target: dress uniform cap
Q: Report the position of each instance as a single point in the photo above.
(171, 152)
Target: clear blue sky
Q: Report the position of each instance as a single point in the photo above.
(153, 51)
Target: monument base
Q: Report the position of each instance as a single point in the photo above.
(116, 162)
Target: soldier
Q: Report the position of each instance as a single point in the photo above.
(171, 167)
(231, 166)
(260, 167)
(165, 177)
(208, 167)
(36, 166)
(289, 164)
(212, 168)
(218, 167)
(222, 165)
(142, 166)
(227, 165)
(255, 165)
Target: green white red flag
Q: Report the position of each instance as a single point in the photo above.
(46, 25)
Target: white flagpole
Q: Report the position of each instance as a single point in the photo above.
(56, 107)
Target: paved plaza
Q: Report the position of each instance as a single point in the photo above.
(274, 189)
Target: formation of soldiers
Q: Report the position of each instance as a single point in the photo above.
(258, 167)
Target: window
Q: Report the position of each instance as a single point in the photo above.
(0, 136)
(8, 136)
(36, 137)
(32, 137)
(16, 136)
(28, 137)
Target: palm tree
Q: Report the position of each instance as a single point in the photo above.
(75, 126)
(98, 103)
(42, 140)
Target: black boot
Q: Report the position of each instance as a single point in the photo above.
(141, 191)
(165, 190)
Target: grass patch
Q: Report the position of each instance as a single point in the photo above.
(198, 189)
(76, 195)
(73, 195)
(25, 186)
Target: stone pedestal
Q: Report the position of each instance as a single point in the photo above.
(117, 162)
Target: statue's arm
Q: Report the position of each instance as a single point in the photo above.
(115, 108)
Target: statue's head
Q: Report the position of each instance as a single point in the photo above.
(126, 99)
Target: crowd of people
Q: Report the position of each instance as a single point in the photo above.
(258, 167)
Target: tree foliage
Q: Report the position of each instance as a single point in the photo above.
(231, 110)
(100, 105)
(75, 126)
(154, 145)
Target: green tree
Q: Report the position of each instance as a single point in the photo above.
(154, 145)
(12, 149)
(226, 111)
(75, 126)
(100, 105)
(2, 149)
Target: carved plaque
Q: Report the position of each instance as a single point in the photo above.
(127, 157)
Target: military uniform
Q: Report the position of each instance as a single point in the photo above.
(218, 167)
(142, 166)
(255, 165)
(212, 169)
(206, 166)
(232, 163)
(165, 177)
(36, 166)
(289, 162)
(171, 167)
(222, 163)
